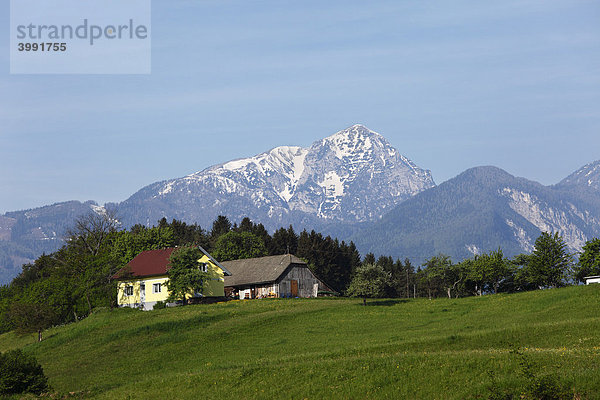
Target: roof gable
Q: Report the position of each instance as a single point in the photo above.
(259, 270)
(225, 270)
(155, 262)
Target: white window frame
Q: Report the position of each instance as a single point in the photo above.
(128, 290)
(203, 267)
(156, 286)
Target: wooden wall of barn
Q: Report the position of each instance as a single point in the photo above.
(308, 284)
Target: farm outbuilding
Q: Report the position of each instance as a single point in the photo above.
(592, 279)
(272, 276)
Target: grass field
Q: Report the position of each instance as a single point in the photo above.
(329, 348)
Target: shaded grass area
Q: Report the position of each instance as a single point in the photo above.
(296, 348)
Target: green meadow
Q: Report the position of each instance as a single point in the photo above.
(477, 347)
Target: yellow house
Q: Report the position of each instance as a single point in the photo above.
(140, 284)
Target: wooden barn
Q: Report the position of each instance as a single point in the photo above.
(272, 276)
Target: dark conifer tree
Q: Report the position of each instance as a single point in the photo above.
(220, 226)
(369, 259)
(246, 225)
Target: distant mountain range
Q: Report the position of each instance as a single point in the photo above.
(485, 208)
(354, 185)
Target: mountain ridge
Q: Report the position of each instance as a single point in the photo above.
(586, 176)
(479, 210)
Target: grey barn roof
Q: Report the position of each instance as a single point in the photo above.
(258, 270)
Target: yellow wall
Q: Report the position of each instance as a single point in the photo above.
(213, 288)
(136, 297)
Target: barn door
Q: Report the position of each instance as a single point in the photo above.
(294, 288)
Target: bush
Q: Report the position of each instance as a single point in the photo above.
(31, 317)
(549, 387)
(159, 305)
(21, 373)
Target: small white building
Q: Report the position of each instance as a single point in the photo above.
(592, 279)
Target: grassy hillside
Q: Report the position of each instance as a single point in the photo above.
(324, 348)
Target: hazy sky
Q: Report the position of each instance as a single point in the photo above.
(451, 84)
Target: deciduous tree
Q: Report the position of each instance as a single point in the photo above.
(185, 276)
(550, 263)
(87, 254)
(441, 271)
(32, 317)
(238, 245)
(589, 261)
(369, 281)
(488, 270)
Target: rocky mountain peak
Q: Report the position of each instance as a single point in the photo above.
(586, 176)
(354, 175)
(357, 139)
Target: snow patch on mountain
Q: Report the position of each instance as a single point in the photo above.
(353, 165)
(168, 188)
(100, 210)
(237, 164)
(588, 175)
(333, 185)
(589, 170)
(473, 249)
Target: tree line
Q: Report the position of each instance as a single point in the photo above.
(70, 283)
(550, 265)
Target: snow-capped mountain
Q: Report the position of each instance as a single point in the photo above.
(354, 175)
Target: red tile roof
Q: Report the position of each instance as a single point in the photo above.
(155, 262)
(147, 263)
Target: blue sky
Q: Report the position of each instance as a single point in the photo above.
(451, 85)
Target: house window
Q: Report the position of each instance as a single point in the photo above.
(156, 288)
(128, 290)
(204, 267)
